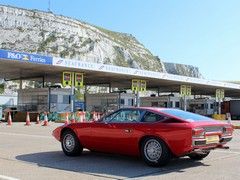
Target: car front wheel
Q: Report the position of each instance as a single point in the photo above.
(70, 144)
(155, 152)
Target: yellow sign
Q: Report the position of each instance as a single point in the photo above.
(139, 85)
(143, 85)
(188, 90)
(78, 80)
(220, 94)
(135, 85)
(185, 90)
(67, 79)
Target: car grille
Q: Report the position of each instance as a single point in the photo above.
(213, 129)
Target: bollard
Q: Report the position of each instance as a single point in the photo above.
(38, 119)
(66, 120)
(72, 118)
(9, 122)
(229, 119)
(28, 122)
(45, 122)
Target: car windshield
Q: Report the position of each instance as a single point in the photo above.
(188, 116)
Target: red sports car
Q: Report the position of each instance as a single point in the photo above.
(155, 134)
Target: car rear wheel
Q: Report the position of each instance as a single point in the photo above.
(199, 156)
(155, 152)
(70, 144)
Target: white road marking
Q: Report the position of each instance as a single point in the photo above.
(7, 178)
(27, 135)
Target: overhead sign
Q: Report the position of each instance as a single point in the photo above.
(87, 65)
(220, 94)
(25, 57)
(185, 90)
(67, 79)
(139, 85)
(78, 80)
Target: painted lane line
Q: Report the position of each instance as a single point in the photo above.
(7, 178)
(27, 135)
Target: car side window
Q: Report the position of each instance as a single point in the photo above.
(125, 116)
(152, 117)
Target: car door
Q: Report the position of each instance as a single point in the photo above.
(117, 132)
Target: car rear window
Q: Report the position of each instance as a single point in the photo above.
(185, 115)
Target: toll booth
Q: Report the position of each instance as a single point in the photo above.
(44, 100)
(203, 106)
(108, 102)
(162, 101)
(232, 106)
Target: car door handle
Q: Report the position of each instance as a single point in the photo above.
(127, 130)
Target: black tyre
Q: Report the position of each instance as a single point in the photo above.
(70, 144)
(155, 152)
(199, 156)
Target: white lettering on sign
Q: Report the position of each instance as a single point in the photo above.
(14, 55)
(25, 57)
(37, 59)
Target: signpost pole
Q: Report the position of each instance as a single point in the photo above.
(72, 93)
(137, 99)
(185, 103)
(220, 94)
(219, 106)
(85, 92)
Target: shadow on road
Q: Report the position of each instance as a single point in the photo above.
(105, 165)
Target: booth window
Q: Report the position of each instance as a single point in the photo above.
(66, 99)
(53, 98)
(177, 104)
(211, 106)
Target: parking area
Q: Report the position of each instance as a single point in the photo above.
(30, 152)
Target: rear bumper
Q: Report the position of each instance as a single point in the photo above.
(202, 143)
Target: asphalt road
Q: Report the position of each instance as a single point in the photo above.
(30, 153)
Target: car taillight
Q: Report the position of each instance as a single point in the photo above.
(227, 130)
(198, 133)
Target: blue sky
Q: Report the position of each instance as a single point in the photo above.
(202, 33)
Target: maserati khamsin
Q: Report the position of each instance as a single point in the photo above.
(154, 134)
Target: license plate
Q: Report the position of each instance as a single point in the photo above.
(212, 139)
